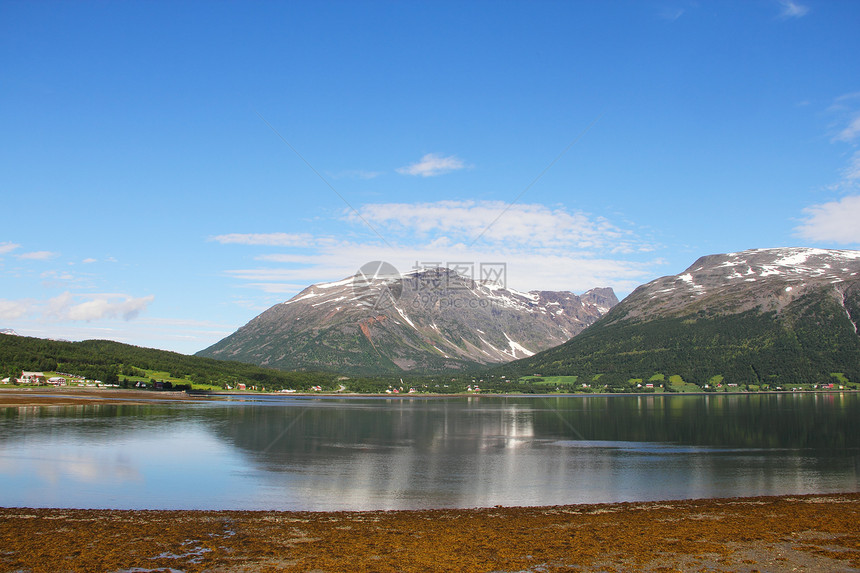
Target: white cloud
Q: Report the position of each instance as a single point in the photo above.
(543, 247)
(95, 307)
(518, 225)
(835, 221)
(61, 279)
(15, 309)
(269, 239)
(792, 9)
(70, 307)
(552, 269)
(8, 247)
(57, 275)
(433, 164)
(38, 256)
(89, 261)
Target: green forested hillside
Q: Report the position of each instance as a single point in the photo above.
(112, 361)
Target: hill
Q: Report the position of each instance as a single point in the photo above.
(111, 362)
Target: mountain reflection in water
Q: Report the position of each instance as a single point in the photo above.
(371, 453)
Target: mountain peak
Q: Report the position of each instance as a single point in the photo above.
(794, 258)
(767, 279)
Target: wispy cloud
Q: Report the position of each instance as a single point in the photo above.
(15, 309)
(6, 248)
(268, 239)
(671, 14)
(792, 9)
(846, 129)
(96, 307)
(357, 174)
(522, 225)
(547, 248)
(38, 256)
(89, 261)
(845, 111)
(851, 131)
(54, 278)
(851, 173)
(576, 271)
(835, 221)
(76, 307)
(433, 164)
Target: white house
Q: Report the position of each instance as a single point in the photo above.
(31, 377)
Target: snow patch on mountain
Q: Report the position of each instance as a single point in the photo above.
(302, 297)
(749, 279)
(516, 347)
(406, 318)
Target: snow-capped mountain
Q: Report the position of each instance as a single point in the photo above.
(428, 320)
(8, 331)
(765, 279)
(764, 318)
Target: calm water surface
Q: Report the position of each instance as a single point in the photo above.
(368, 453)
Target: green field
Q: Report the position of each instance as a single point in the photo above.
(554, 383)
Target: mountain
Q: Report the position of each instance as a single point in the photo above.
(431, 320)
(8, 331)
(769, 317)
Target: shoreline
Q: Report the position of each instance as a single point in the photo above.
(51, 396)
(793, 532)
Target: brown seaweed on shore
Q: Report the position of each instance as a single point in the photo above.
(806, 533)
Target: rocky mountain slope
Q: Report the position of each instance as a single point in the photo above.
(771, 317)
(762, 279)
(427, 321)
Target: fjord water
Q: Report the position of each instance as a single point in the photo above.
(372, 453)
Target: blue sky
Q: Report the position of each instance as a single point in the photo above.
(169, 170)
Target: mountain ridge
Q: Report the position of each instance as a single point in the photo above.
(779, 275)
